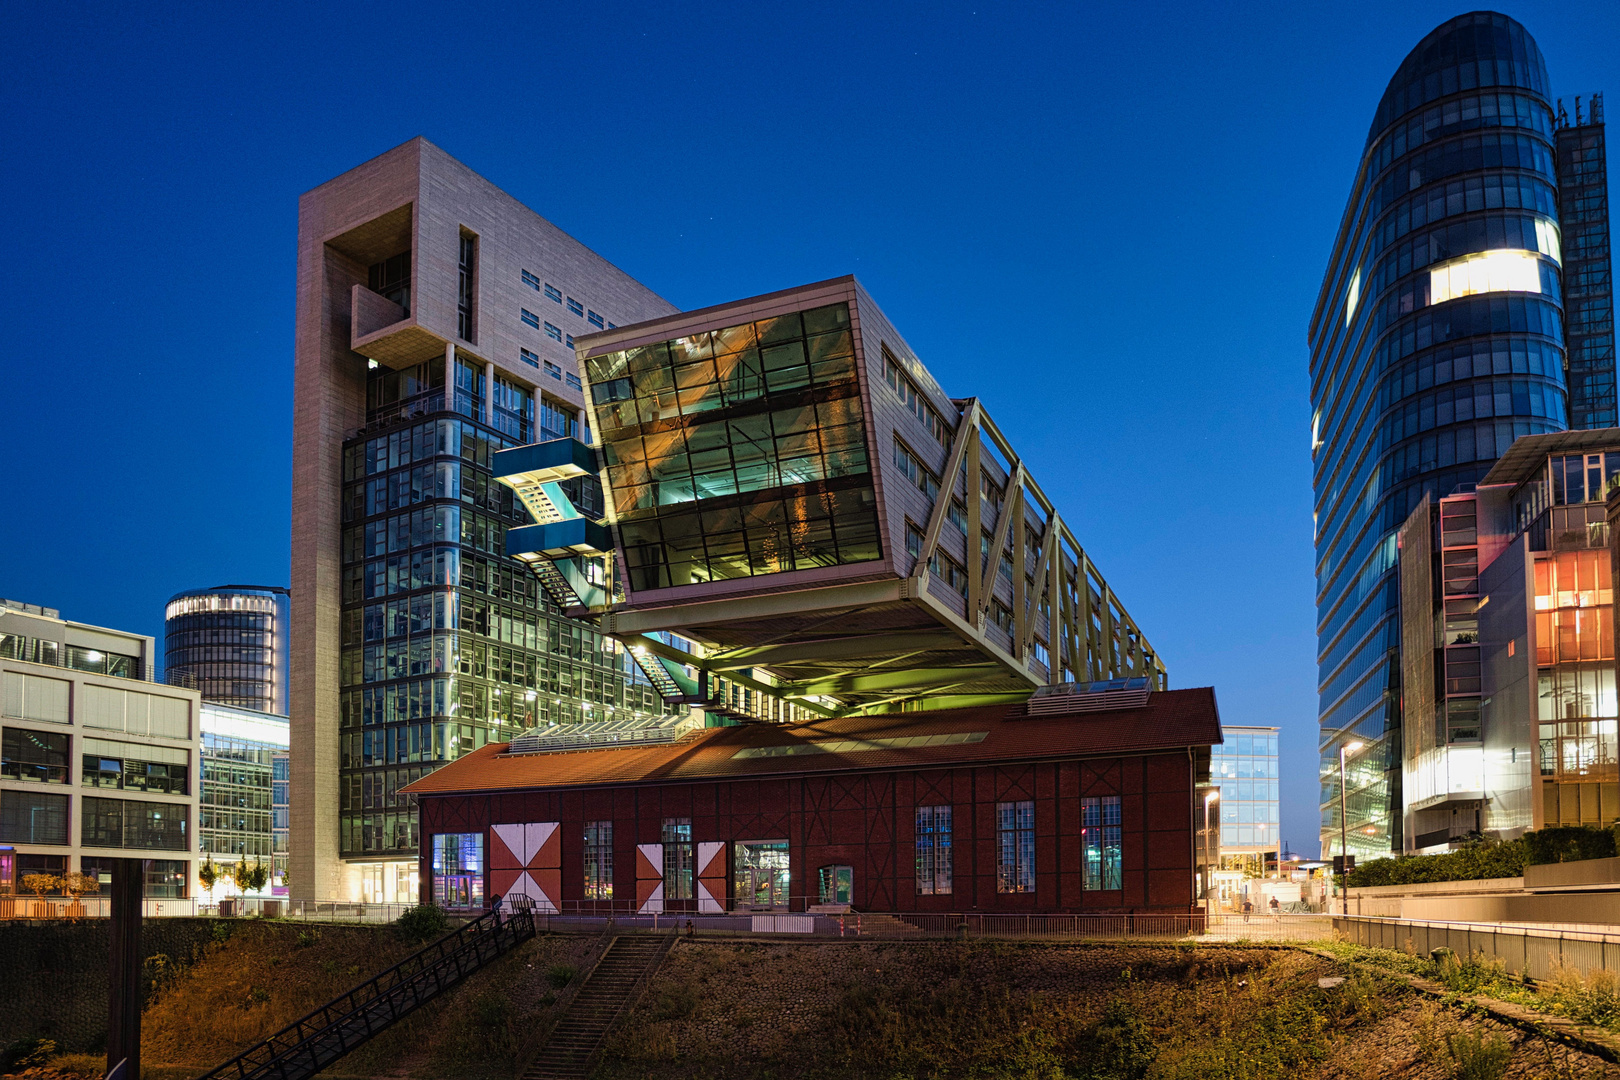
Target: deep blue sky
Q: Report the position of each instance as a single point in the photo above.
(1108, 221)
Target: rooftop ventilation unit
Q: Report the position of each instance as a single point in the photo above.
(1089, 697)
(600, 735)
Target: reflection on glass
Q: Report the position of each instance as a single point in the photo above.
(738, 452)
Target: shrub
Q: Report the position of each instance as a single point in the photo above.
(1482, 859)
(1477, 973)
(560, 975)
(1480, 1058)
(26, 1054)
(1568, 843)
(422, 923)
(674, 1003)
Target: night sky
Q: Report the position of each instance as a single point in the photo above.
(1109, 222)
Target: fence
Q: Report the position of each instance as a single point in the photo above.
(1530, 950)
(99, 907)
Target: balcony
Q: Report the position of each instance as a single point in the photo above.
(382, 331)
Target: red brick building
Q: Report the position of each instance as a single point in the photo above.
(988, 809)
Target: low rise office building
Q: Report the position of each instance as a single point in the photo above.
(240, 748)
(1507, 609)
(97, 762)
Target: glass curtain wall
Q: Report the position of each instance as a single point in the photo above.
(447, 644)
(739, 452)
(1437, 340)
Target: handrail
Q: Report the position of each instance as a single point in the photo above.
(1549, 930)
(337, 1015)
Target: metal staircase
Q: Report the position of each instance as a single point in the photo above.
(612, 986)
(313, 1042)
(552, 580)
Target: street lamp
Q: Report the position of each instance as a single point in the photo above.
(1210, 797)
(1345, 751)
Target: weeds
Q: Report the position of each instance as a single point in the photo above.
(560, 975)
(674, 1002)
(1480, 1057)
(1592, 998)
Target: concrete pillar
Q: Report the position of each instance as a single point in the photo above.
(124, 969)
(489, 393)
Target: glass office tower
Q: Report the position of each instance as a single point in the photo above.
(1583, 212)
(1438, 338)
(230, 643)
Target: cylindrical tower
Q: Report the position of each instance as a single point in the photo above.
(1436, 341)
(230, 642)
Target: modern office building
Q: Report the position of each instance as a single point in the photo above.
(435, 322)
(230, 643)
(792, 495)
(1438, 339)
(1583, 216)
(280, 769)
(240, 748)
(97, 762)
(1508, 656)
(1244, 768)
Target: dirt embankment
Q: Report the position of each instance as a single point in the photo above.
(735, 1011)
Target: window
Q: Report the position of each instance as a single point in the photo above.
(122, 766)
(129, 823)
(594, 318)
(165, 879)
(918, 473)
(552, 332)
(553, 370)
(532, 359)
(573, 380)
(531, 281)
(933, 850)
(569, 338)
(553, 293)
(391, 278)
(28, 817)
(533, 320)
(467, 288)
(1015, 847)
(678, 859)
(39, 756)
(599, 860)
(1102, 857)
(458, 870)
(958, 515)
(35, 697)
(101, 663)
(902, 385)
(575, 306)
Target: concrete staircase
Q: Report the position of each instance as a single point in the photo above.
(609, 990)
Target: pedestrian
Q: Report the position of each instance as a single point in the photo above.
(1276, 909)
(689, 932)
(1248, 908)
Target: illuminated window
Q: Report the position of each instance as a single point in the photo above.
(1486, 272)
(1015, 846)
(933, 850)
(599, 860)
(1103, 858)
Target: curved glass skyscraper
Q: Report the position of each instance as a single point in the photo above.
(1436, 341)
(230, 642)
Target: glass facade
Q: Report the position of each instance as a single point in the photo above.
(447, 644)
(230, 643)
(234, 820)
(1102, 843)
(280, 763)
(1583, 200)
(1438, 339)
(1244, 767)
(738, 452)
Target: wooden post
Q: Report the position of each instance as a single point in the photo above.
(124, 970)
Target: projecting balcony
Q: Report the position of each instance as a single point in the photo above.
(383, 331)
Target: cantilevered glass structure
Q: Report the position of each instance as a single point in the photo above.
(798, 521)
(1436, 341)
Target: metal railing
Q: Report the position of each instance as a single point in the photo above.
(316, 1040)
(1531, 949)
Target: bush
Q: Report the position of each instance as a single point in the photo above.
(674, 1003)
(1592, 998)
(422, 923)
(560, 975)
(1482, 859)
(1568, 843)
(26, 1054)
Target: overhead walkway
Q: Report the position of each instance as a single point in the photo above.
(790, 493)
(313, 1042)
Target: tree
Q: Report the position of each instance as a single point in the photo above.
(208, 874)
(40, 884)
(79, 884)
(241, 875)
(258, 874)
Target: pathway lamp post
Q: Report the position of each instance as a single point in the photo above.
(1345, 751)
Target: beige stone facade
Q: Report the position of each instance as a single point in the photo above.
(413, 198)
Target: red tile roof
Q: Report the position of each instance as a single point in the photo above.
(1170, 720)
